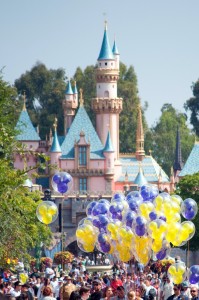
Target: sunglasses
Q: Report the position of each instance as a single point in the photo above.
(175, 289)
(193, 291)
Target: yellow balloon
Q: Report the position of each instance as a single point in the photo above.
(177, 279)
(42, 209)
(88, 247)
(189, 226)
(80, 233)
(111, 227)
(172, 270)
(23, 278)
(52, 210)
(46, 219)
(181, 269)
(153, 226)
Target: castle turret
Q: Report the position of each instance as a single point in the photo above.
(178, 164)
(109, 164)
(55, 151)
(107, 105)
(116, 55)
(69, 104)
(140, 153)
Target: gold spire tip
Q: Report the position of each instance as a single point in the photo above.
(81, 100)
(55, 124)
(24, 101)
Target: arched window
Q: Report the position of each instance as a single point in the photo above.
(106, 94)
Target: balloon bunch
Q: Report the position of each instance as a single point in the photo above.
(194, 274)
(141, 224)
(47, 212)
(62, 182)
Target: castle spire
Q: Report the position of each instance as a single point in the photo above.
(81, 100)
(140, 153)
(178, 164)
(106, 51)
(55, 145)
(24, 101)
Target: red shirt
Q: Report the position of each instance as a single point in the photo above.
(116, 283)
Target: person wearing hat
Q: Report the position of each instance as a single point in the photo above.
(185, 290)
(97, 287)
(66, 289)
(17, 289)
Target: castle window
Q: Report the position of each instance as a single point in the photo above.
(99, 86)
(83, 184)
(106, 94)
(82, 156)
(105, 63)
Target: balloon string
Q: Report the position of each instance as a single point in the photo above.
(187, 254)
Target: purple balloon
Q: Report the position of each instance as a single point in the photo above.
(152, 216)
(62, 187)
(189, 214)
(57, 178)
(163, 218)
(118, 197)
(90, 207)
(135, 195)
(195, 269)
(133, 205)
(140, 230)
(101, 238)
(106, 247)
(194, 278)
(149, 193)
(161, 254)
(96, 223)
(66, 178)
(103, 220)
(100, 209)
(117, 216)
(140, 221)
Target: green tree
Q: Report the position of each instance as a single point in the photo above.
(164, 137)
(188, 187)
(192, 105)
(19, 226)
(44, 91)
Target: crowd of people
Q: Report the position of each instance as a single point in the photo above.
(124, 282)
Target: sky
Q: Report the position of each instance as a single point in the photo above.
(158, 38)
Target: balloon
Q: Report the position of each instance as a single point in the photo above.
(189, 208)
(47, 212)
(62, 182)
(23, 277)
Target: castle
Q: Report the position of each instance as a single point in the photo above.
(91, 155)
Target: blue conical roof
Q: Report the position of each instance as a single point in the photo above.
(108, 146)
(81, 123)
(69, 90)
(25, 128)
(105, 52)
(55, 145)
(192, 164)
(115, 50)
(75, 89)
(140, 179)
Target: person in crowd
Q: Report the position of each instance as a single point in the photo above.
(115, 282)
(194, 292)
(131, 295)
(149, 289)
(177, 293)
(66, 289)
(108, 293)
(185, 290)
(128, 284)
(120, 293)
(166, 288)
(17, 289)
(57, 288)
(48, 293)
(25, 289)
(84, 293)
(46, 283)
(75, 296)
(97, 287)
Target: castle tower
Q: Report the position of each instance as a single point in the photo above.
(178, 164)
(107, 106)
(140, 153)
(55, 151)
(109, 167)
(69, 104)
